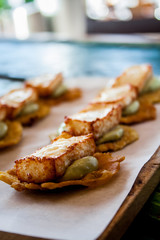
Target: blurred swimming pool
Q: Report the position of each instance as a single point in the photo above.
(28, 59)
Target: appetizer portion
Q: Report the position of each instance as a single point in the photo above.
(137, 75)
(96, 119)
(123, 95)
(103, 121)
(142, 77)
(22, 105)
(46, 85)
(68, 160)
(17, 100)
(113, 140)
(50, 162)
(51, 88)
(10, 132)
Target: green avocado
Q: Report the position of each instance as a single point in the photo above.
(3, 129)
(131, 109)
(59, 91)
(152, 85)
(113, 135)
(79, 168)
(29, 108)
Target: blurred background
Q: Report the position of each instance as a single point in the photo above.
(75, 18)
(80, 38)
(77, 37)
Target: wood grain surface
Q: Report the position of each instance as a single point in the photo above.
(145, 183)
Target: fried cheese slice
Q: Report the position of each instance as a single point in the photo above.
(51, 161)
(130, 135)
(137, 75)
(146, 112)
(13, 135)
(109, 166)
(45, 84)
(96, 119)
(123, 95)
(16, 99)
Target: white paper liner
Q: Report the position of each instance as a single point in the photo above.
(78, 213)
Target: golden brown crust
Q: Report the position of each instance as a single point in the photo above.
(46, 169)
(108, 167)
(70, 95)
(64, 134)
(130, 135)
(13, 136)
(136, 75)
(122, 95)
(30, 119)
(16, 99)
(152, 97)
(46, 85)
(146, 112)
(50, 162)
(96, 119)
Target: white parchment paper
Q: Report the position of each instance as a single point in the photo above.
(78, 213)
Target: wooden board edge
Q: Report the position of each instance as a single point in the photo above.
(15, 236)
(145, 183)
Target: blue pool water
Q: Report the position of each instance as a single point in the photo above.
(27, 59)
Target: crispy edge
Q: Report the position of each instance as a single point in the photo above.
(64, 134)
(52, 167)
(71, 95)
(146, 112)
(144, 75)
(12, 111)
(13, 135)
(131, 95)
(95, 126)
(152, 97)
(130, 135)
(30, 119)
(26, 169)
(45, 91)
(108, 166)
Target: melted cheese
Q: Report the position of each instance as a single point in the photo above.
(46, 81)
(136, 75)
(114, 94)
(16, 97)
(92, 115)
(58, 147)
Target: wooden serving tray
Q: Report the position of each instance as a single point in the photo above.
(144, 185)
